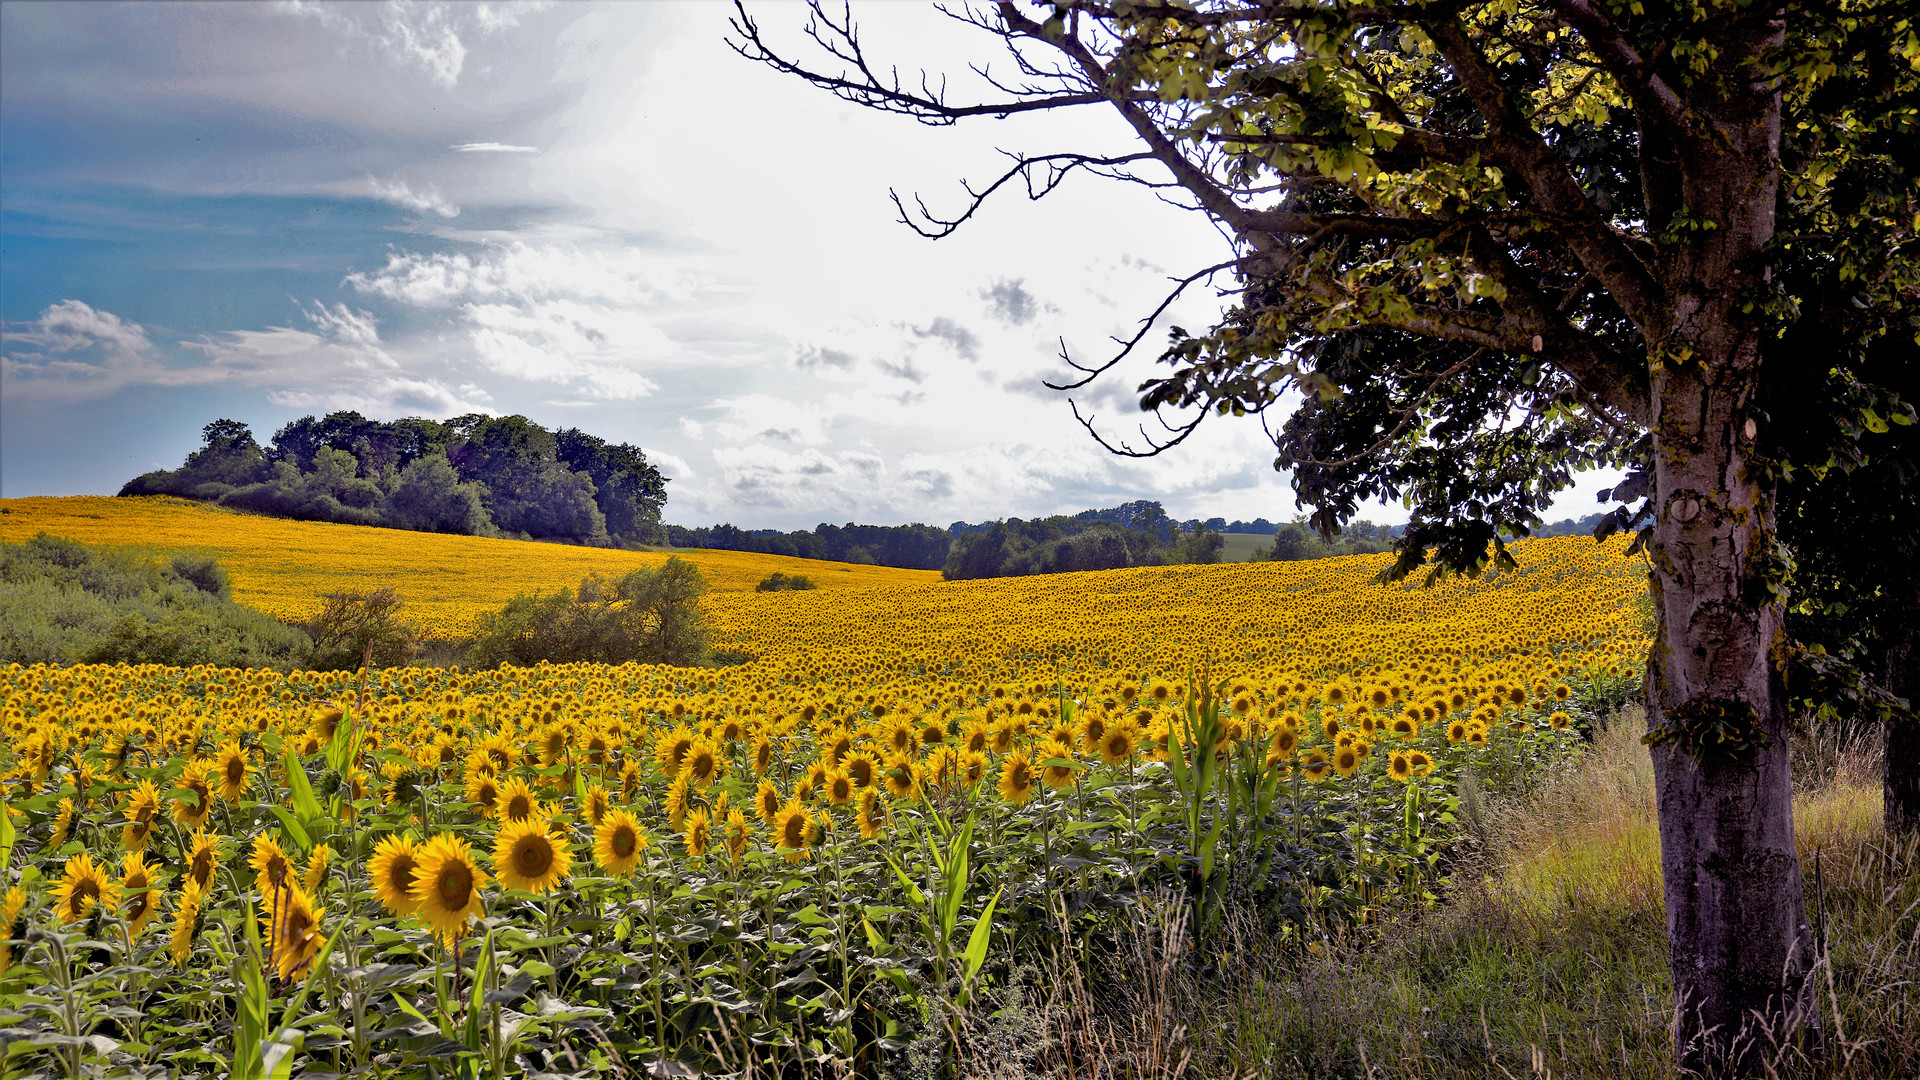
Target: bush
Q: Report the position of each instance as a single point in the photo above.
(64, 602)
(354, 630)
(777, 581)
(650, 616)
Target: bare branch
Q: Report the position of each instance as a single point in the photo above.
(1146, 324)
(1057, 168)
(1124, 450)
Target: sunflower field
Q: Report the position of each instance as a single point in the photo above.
(804, 864)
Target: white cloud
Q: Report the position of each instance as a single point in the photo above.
(587, 318)
(75, 351)
(493, 148)
(430, 36)
(399, 193)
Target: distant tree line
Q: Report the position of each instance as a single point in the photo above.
(473, 475)
(918, 547)
(1134, 534)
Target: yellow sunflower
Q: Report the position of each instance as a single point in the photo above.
(143, 804)
(618, 842)
(1057, 776)
(62, 823)
(392, 869)
(738, 831)
(840, 787)
(1419, 762)
(82, 885)
(793, 831)
(1346, 760)
(526, 856)
(1316, 766)
(186, 919)
(203, 858)
(516, 802)
(1016, 779)
(446, 886)
(316, 874)
(197, 778)
(13, 924)
(1400, 767)
(597, 804)
(138, 896)
(232, 764)
(697, 833)
(1116, 745)
(272, 869)
(703, 764)
(902, 778)
(293, 928)
(766, 801)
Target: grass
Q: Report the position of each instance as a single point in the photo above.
(1546, 959)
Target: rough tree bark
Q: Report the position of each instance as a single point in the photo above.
(1736, 921)
(1902, 750)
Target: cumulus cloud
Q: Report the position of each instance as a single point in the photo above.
(430, 36)
(811, 357)
(73, 350)
(400, 193)
(1009, 301)
(902, 370)
(335, 360)
(583, 318)
(954, 334)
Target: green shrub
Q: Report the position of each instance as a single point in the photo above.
(361, 629)
(777, 581)
(64, 602)
(650, 616)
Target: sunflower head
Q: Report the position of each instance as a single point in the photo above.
(1400, 767)
(394, 865)
(698, 833)
(1016, 779)
(793, 831)
(82, 886)
(446, 886)
(526, 856)
(618, 843)
(293, 928)
(137, 894)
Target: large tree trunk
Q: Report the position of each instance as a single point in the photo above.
(1902, 752)
(1737, 933)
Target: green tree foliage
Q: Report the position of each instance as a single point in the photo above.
(782, 582)
(1491, 244)
(629, 492)
(428, 496)
(916, 546)
(650, 616)
(64, 602)
(228, 458)
(475, 475)
(353, 630)
(1092, 540)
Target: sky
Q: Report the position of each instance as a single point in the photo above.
(596, 216)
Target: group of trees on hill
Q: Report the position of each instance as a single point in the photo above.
(474, 475)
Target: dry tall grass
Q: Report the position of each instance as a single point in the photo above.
(1547, 959)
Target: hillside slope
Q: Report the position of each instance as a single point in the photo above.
(282, 567)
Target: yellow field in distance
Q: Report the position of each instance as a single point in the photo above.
(282, 567)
